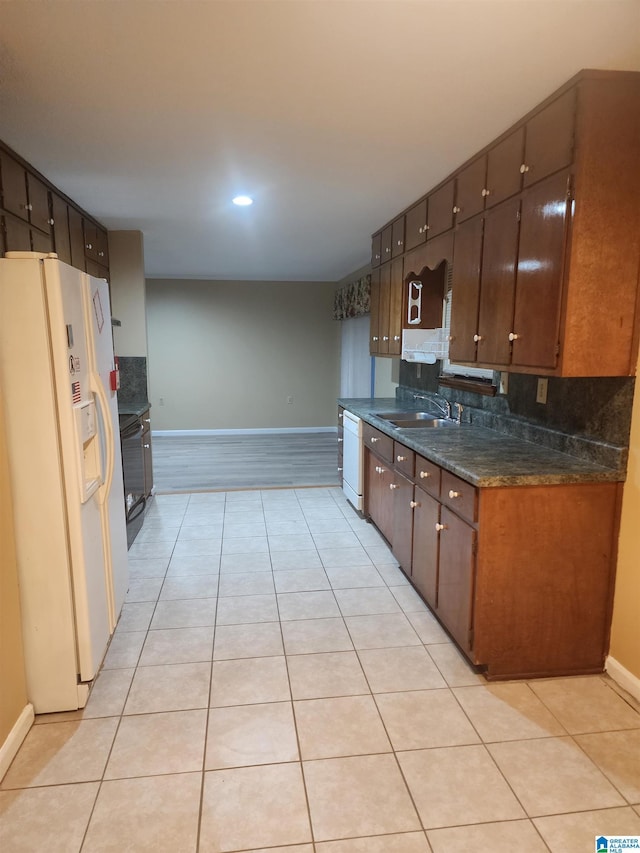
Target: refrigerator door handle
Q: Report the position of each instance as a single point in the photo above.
(98, 390)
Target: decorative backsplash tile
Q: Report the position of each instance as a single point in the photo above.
(133, 380)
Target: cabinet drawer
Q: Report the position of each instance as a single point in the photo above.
(403, 458)
(377, 441)
(461, 496)
(427, 476)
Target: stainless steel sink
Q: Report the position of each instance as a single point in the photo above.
(417, 420)
(407, 416)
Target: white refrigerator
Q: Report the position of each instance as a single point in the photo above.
(65, 467)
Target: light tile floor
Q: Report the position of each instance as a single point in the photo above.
(275, 684)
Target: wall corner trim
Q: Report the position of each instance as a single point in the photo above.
(623, 678)
(18, 733)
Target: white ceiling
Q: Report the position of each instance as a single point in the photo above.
(333, 114)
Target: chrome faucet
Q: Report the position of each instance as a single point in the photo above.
(460, 407)
(442, 403)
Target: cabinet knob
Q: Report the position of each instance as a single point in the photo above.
(524, 168)
(392, 486)
(374, 338)
(477, 338)
(340, 440)
(51, 221)
(147, 420)
(513, 336)
(101, 254)
(147, 446)
(440, 527)
(339, 469)
(457, 209)
(401, 458)
(28, 206)
(424, 475)
(485, 193)
(385, 337)
(414, 504)
(399, 242)
(387, 250)
(377, 257)
(374, 439)
(454, 494)
(379, 469)
(339, 416)
(396, 337)
(89, 246)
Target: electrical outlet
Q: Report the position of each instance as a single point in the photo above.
(541, 393)
(504, 382)
(161, 401)
(289, 400)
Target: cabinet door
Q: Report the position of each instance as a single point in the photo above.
(396, 292)
(14, 186)
(76, 239)
(456, 577)
(416, 225)
(41, 242)
(39, 214)
(90, 240)
(17, 235)
(385, 246)
(543, 230)
(397, 237)
(61, 241)
(465, 289)
(440, 204)
(549, 139)
(102, 246)
(374, 316)
(402, 497)
(376, 249)
(383, 308)
(469, 190)
(503, 168)
(379, 497)
(497, 283)
(424, 562)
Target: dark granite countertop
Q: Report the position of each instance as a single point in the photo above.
(481, 456)
(133, 408)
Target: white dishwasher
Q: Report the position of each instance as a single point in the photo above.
(353, 457)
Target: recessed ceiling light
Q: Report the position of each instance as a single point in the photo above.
(243, 200)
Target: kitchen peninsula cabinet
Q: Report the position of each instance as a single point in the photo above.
(555, 291)
(521, 576)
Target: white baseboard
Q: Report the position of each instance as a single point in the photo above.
(268, 431)
(627, 680)
(15, 737)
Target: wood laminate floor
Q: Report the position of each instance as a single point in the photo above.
(226, 462)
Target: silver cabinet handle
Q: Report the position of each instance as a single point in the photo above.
(453, 494)
(477, 338)
(374, 439)
(440, 527)
(424, 475)
(392, 486)
(414, 504)
(524, 169)
(513, 336)
(401, 458)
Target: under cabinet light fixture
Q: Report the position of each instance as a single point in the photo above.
(242, 200)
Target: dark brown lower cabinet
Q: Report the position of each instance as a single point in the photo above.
(424, 567)
(456, 578)
(521, 577)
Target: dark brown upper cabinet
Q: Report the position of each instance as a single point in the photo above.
(549, 138)
(60, 217)
(471, 189)
(14, 186)
(504, 178)
(397, 237)
(376, 249)
(440, 208)
(416, 225)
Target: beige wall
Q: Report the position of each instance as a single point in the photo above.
(227, 355)
(625, 630)
(126, 268)
(13, 690)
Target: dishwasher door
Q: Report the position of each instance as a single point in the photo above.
(353, 460)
